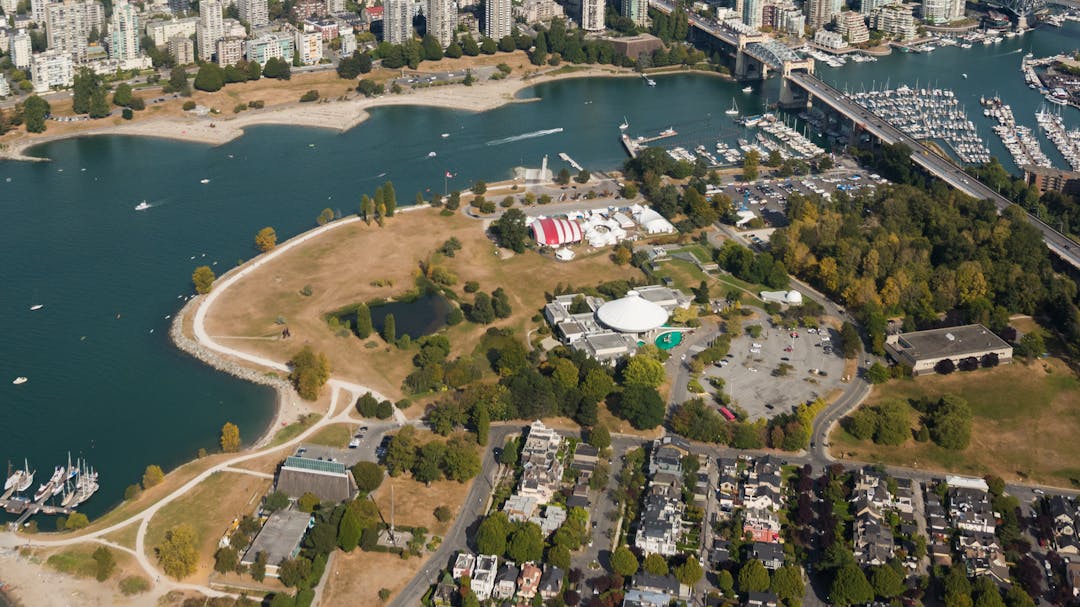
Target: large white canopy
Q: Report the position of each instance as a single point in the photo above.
(632, 314)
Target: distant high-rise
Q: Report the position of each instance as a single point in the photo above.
(210, 29)
(182, 49)
(177, 7)
(869, 6)
(592, 15)
(636, 11)
(254, 12)
(752, 12)
(68, 26)
(21, 50)
(441, 20)
(124, 32)
(37, 11)
(820, 12)
(936, 11)
(397, 21)
(497, 20)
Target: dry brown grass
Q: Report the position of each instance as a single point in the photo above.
(518, 62)
(356, 577)
(209, 508)
(330, 266)
(1025, 424)
(415, 503)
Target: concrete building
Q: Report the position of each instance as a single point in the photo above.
(937, 11)
(210, 28)
(790, 20)
(5, 88)
(229, 50)
(279, 539)
(538, 11)
(895, 19)
(1049, 179)
(254, 12)
(9, 6)
(266, 47)
(635, 46)
(397, 21)
(182, 49)
(21, 50)
(592, 15)
(38, 12)
(333, 7)
(161, 30)
(68, 26)
(820, 12)
(965, 345)
(637, 11)
(309, 46)
(179, 7)
(441, 20)
(124, 32)
(52, 69)
(869, 6)
(329, 480)
(852, 26)
(753, 13)
(348, 45)
(498, 18)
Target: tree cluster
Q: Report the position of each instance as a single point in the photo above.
(457, 458)
(310, 370)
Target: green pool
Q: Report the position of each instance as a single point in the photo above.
(667, 341)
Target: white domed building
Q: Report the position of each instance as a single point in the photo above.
(787, 298)
(632, 314)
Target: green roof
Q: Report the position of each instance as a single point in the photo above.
(315, 465)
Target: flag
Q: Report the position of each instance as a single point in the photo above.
(449, 175)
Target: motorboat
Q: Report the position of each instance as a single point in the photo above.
(204, 181)
(431, 154)
(748, 89)
(964, 76)
(445, 135)
(36, 307)
(20, 380)
(142, 206)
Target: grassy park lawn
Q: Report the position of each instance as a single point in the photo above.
(78, 561)
(342, 268)
(1025, 426)
(335, 435)
(209, 508)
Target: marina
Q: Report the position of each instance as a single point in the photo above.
(67, 488)
(1019, 140)
(1067, 142)
(928, 114)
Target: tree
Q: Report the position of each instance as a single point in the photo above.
(877, 373)
(597, 385)
(470, 47)
(849, 340)
(230, 438)
(689, 572)
(510, 230)
(443, 514)
(85, 84)
(950, 422)
(152, 476)
(276, 68)
(850, 587)
(325, 217)
(35, 110)
(483, 425)
(310, 370)
(427, 468)
(492, 533)
(787, 584)
(292, 571)
(893, 427)
(275, 501)
(774, 159)
(123, 95)
(563, 176)
(266, 239)
(725, 582)
(460, 462)
(401, 451)
(77, 520)
(753, 577)
(887, 582)
(389, 331)
(203, 278)
(99, 105)
(177, 553)
(488, 46)
(368, 476)
(750, 165)
(559, 556)
(210, 78)
(369, 88)
(364, 327)
(642, 371)
(226, 559)
(307, 502)
(454, 51)
(624, 562)
(105, 563)
(583, 176)
(656, 564)
(600, 437)
(642, 407)
(258, 568)
(178, 81)
(481, 311)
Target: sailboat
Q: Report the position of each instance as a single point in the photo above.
(734, 111)
(142, 206)
(747, 89)
(625, 124)
(20, 380)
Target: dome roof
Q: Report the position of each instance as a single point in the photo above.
(794, 297)
(632, 314)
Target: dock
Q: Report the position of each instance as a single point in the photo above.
(567, 159)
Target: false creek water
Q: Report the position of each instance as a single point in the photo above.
(104, 381)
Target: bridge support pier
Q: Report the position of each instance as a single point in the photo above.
(792, 97)
(748, 68)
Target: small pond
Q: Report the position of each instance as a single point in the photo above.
(421, 316)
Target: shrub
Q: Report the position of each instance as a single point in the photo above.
(312, 95)
(134, 584)
(188, 106)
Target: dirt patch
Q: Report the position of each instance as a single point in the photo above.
(356, 577)
(210, 508)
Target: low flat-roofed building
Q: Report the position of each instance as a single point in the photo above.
(635, 46)
(279, 539)
(329, 480)
(1049, 179)
(923, 350)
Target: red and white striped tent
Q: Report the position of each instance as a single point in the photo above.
(555, 232)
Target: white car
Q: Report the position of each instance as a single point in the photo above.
(354, 443)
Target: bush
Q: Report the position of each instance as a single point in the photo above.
(312, 95)
(188, 106)
(127, 114)
(443, 514)
(134, 584)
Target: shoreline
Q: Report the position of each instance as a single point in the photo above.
(336, 115)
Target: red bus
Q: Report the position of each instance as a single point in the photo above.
(728, 415)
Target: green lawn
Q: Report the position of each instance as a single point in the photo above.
(1027, 417)
(292, 430)
(337, 435)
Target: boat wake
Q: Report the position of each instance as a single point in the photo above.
(524, 136)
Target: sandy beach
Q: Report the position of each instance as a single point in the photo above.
(34, 585)
(335, 115)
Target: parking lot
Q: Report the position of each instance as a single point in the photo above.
(773, 373)
(767, 198)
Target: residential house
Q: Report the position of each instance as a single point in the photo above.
(667, 454)
(762, 599)
(771, 555)
(551, 582)
(529, 581)
(762, 525)
(463, 565)
(1063, 515)
(552, 518)
(506, 581)
(483, 578)
(665, 585)
(445, 594)
(641, 598)
(586, 457)
(969, 510)
(542, 467)
(661, 521)
(873, 539)
(520, 508)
